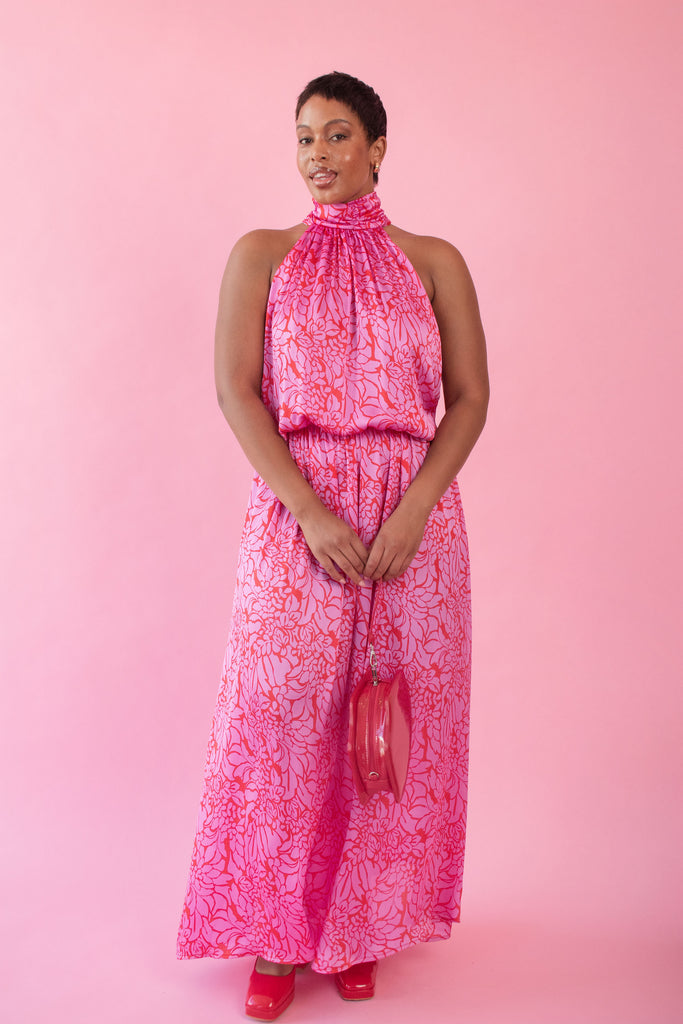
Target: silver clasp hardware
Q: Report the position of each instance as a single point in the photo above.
(373, 666)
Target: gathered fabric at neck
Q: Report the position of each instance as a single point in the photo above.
(364, 213)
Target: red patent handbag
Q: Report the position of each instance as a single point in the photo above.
(379, 732)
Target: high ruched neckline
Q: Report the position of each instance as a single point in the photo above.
(364, 213)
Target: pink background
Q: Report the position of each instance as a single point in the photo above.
(139, 141)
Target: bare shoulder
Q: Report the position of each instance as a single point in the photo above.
(248, 276)
(436, 252)
(436, 261)
(263, 250)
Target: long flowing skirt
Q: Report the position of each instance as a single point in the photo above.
(287, 863)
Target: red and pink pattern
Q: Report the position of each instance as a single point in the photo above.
(286, 862)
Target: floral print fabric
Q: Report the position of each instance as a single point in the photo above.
(286, 862)
(351, 340)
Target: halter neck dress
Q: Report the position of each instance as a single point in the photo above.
(287, 863)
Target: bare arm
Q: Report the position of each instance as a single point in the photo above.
(238, 371)
(466, 395)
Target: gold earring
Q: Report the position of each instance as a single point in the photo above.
(376, 168)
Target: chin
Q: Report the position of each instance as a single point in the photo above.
(337, 193)
(333, 194)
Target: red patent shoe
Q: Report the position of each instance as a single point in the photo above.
(269, 994)
(357, 982)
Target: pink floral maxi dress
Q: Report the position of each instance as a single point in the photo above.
(287, 863)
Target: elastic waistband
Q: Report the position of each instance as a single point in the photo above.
(368, 438)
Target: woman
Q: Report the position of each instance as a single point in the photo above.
(331, 342)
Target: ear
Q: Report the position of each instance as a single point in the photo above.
(378, 150)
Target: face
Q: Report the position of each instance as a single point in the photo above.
(334, 156)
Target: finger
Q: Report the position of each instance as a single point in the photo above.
(372, 561)
(383, 563)
(360, 550)
(331, 569)
(348, 567)
(356, 554)
(388, 560)
(398, 567)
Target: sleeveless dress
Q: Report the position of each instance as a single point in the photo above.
(287, 863)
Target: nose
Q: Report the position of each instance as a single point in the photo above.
(319, 151)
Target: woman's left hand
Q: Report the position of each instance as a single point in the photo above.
(396, 544)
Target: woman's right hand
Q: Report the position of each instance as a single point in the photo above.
(334, 544)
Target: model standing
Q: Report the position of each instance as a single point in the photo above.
(333, 340)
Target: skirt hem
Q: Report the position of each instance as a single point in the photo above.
(440, 931)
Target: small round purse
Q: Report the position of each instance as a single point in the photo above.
(379, 731)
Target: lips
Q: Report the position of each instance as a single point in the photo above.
(322, 176)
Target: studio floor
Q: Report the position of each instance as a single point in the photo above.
(119, 966)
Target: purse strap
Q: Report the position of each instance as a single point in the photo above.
(371, 644)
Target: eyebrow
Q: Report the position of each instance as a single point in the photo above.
(335, 120)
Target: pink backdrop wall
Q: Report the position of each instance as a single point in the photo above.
(139, 141)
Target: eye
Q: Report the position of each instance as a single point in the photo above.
(303, 140)
(339, 135)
